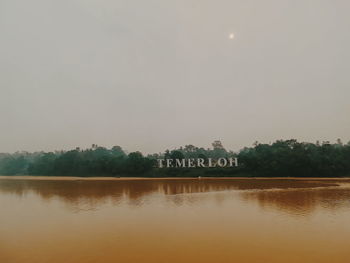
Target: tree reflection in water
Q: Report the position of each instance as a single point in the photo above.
(287, 195)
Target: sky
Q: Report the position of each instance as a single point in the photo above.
(154, 75)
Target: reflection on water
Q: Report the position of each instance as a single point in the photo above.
(174, 220)
(302, 201)
(96, 192)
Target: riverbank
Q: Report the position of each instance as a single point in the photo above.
(73, 178)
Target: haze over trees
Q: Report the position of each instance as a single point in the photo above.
(282, 158)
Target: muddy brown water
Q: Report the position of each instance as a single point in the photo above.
(73, 220)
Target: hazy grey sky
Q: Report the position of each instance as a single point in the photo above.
(152, 74)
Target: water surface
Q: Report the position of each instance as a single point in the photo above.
(174, 220)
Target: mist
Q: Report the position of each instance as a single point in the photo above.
(154, 75)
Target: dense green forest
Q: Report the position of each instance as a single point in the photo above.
(283, 158)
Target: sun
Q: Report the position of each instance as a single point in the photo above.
(231, 36)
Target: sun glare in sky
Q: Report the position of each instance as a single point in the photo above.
(231, 36)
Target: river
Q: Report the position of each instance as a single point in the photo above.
(216, 220)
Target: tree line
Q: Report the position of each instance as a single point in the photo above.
(282, 158)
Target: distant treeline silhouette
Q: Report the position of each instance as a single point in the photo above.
(283, 158)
